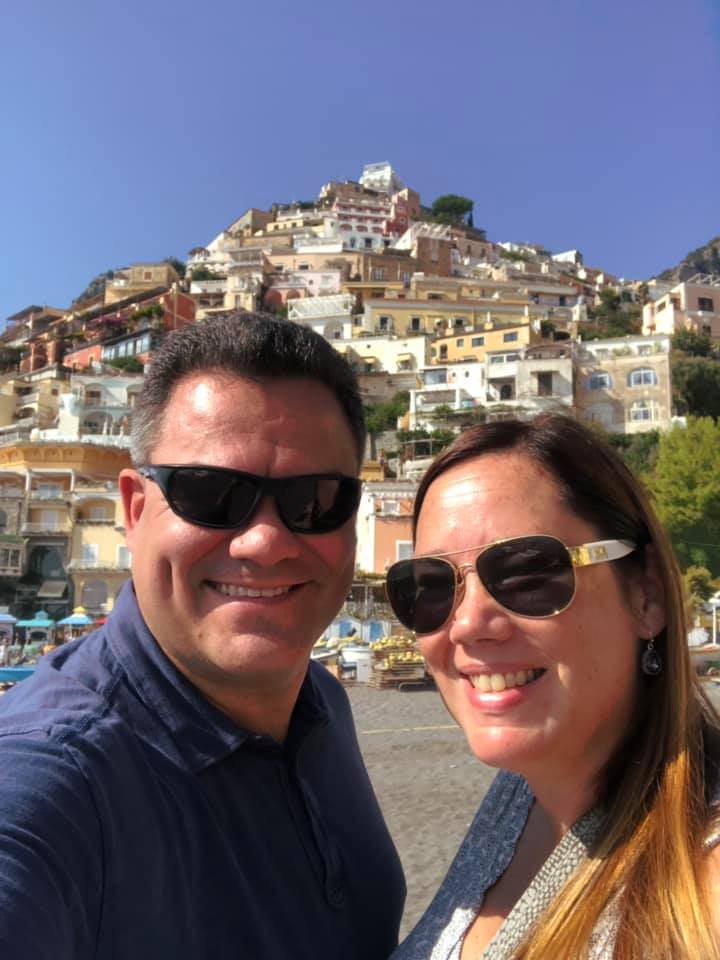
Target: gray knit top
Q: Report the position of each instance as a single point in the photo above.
(483, 857)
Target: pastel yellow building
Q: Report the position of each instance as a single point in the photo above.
(474, 344)
(56, 496)
(99, 561)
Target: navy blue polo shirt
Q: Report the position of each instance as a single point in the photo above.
(138, 822)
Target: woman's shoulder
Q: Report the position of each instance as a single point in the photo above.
(484, 855)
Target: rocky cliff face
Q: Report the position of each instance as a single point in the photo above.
(703, 260)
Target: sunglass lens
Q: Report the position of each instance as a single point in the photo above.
(530, 576)
(421, 592)
(317, 504)
(211, 497)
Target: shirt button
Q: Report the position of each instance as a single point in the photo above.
(336, 896)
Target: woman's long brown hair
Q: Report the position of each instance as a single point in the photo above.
(646, 870)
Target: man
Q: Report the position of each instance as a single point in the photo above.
(181, 784)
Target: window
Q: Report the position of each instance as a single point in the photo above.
(506, 391)
(368, 243)
(643, 377)
(90, 554)
(403, 549)
(98, 512)
(434, 296)
(544, 384)
(509, 337)
(49, 520)
(378, 273)
(3, 522)
(660, 305)
(562, 300)
(390, 508)
(477, 342)
(303, 266)
(443, 352)
(598, 381)
(641, 410)
(458, 322)
(460, 342)
(705, 303)
(47, 491)
(415, 323)
(383, 323)
(123, 556)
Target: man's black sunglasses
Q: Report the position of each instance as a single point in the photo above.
(226, 499)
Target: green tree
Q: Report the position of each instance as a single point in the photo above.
(177, 264)
(686, 485)
(202, 273)
(692, 344)
(380, 417)
(696, 386)
(451, 208)
(638, 450)
(128, 364)
(699, 584)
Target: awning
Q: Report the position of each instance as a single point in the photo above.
(52, 589)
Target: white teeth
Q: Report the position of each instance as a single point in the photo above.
(232, 590)
(497, 682)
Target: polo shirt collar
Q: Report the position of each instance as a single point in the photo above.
(203, 734)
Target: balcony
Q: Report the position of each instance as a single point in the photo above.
(46, 526)
(99, 564)
(61, 495)
(8, 492)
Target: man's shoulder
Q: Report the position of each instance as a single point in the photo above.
(71, 691)
(330, 689)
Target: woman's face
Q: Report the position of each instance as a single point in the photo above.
(570, 717)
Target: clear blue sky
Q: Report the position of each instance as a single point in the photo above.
(138, 130)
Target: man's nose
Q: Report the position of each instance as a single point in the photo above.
(265, 538)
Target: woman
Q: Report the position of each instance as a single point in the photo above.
(549, 609)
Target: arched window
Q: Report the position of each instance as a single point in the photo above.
(599, 381)
(94, 595)
(641, 410)
(642, 377)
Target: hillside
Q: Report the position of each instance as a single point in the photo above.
(703, 260)
(95, 287)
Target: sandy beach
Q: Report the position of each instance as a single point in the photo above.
(428, 783)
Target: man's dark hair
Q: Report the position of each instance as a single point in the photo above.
(250, 345)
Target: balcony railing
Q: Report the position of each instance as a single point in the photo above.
(46, 526)
(49, 494)
(98, 564)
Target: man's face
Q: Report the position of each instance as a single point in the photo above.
(238, 611)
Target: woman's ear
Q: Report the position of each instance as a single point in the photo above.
(648, 595)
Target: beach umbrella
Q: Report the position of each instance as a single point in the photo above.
(40, 619)
(78, 618)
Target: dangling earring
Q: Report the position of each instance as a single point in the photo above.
(651, 662)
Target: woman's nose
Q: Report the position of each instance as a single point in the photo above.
(477, 615)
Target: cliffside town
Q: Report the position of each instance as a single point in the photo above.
(418, 300)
